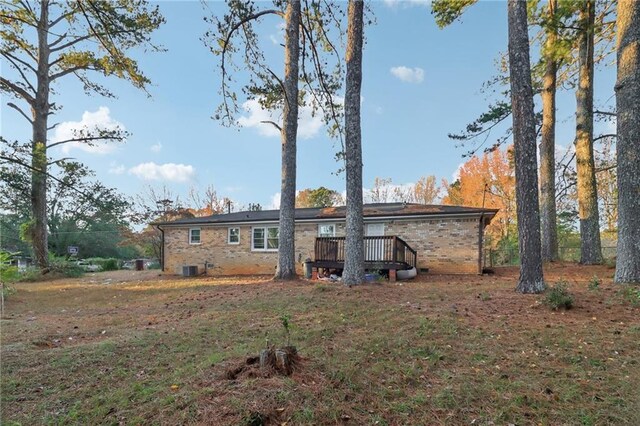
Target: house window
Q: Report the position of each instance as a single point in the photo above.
(234, 236)
(327, 230)
(194, 236)
(265, 238)
(374, 230)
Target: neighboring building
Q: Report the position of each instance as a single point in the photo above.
(434, 238)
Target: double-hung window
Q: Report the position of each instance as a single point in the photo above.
(234, 236)
(194, 236)
(265, 238)
(327, 230)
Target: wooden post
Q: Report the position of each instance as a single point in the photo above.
(394, 245)
(392, 275)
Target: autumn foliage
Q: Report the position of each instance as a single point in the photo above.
(487, 181)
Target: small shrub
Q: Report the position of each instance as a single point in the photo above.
(30, 275)
(153, 265)
(632, 295)
(110, 265)
(484, 296)
(559, 297)
(8, 272)
(285, 320)
(7, 290)
(61, 266)
(105, 263)
(594, 284)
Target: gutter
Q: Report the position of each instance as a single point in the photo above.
(480, 238)
(338, 219)
(161, 248)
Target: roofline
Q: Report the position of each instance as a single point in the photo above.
(480, 213)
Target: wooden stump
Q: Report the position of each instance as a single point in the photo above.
(282, 360)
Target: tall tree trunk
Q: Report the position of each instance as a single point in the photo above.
(548, 145)
(286, 268)
(628, 146)
(354, 242)
(591, 252)
(524, 137)
(40, 114)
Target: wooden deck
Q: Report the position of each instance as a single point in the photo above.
(385, 252)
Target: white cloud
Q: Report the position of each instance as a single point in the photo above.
(278, 37)
(156, 147)
(233, 188)
(116, 169)
(408, 75)
(257, 117)
(309, 123)
(164, 172)
(275, 202)
(91, 123)
(406, 3)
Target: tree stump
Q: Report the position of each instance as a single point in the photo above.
(282, 360)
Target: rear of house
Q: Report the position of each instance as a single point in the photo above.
(445, 239)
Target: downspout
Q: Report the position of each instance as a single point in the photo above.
(480, 235)
(161, 248)
(481, 230)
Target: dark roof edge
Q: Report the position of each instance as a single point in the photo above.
(479, 211)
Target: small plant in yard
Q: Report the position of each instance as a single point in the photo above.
(594, 284)
(484, 296)
(286, 324)
(8, 274)
(559, 297)
(632, 294)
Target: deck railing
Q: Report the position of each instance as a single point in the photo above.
(383, 249)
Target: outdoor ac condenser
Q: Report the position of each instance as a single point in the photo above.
(189, 271)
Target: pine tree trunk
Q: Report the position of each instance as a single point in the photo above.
(524, 136)
(548, 146)
(628, 146)
(39, 236)
(591, 252)
(286, 268)
(354, 241)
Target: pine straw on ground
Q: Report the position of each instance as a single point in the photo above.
(137, 348)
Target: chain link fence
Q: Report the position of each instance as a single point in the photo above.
(509, 256)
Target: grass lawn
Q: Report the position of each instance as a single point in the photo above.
(135, 348)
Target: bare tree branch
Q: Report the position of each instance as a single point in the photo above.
(18, 90)
(17, 108)
(86, 139)
(274, 124)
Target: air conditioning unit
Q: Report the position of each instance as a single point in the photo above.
(189, 271)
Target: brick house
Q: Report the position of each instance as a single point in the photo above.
(434, 238)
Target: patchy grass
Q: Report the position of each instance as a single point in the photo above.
(135, 348)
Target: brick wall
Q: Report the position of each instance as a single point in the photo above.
(230, 259)
(443, 246)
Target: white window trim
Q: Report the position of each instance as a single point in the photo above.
(229, 235)
(200, 235)
(335, 226)
(266, 243)
(384, 228)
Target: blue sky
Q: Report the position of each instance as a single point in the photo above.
(419, 84)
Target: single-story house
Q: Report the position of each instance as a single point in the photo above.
(434, 238)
